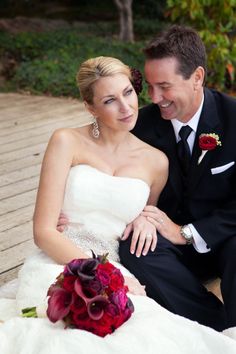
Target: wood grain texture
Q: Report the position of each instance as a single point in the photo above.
(26, 124)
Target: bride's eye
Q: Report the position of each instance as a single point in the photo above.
(128, 92)
(109, 101)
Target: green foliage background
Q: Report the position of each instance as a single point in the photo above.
(215, 20)
(47, 62)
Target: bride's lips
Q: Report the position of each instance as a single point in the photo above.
(126, 119)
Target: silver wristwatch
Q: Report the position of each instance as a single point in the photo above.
(187, 234)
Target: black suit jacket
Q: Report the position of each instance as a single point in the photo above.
(207, 200)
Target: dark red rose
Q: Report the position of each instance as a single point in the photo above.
(116, 280)
(119, 298)
(207, 143)
(107, 267)
(104, 326)
(137, 80)
(103, 276)
(78, 319)
(68, 282)
(78, 305)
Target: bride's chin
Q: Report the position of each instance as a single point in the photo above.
(131, 125)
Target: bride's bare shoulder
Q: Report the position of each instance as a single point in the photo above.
(70, 135)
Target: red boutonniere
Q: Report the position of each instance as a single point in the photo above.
(208, 142)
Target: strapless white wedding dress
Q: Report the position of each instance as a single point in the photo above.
(99, 206)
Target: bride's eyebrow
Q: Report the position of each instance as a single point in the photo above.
(113, 95)
(108, 96)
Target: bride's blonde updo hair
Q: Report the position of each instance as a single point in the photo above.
(93, 69)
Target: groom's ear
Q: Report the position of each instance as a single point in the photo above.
(199, 76)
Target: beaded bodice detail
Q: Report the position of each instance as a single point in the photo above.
(99, 206)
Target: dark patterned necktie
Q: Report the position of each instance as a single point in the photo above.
(183, 150)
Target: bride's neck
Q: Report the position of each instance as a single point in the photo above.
(115, 141)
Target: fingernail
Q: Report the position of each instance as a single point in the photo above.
(137, 255)
(144, 253)
(132, 251)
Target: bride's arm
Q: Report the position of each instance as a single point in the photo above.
(57, 162)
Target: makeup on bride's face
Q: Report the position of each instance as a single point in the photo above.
(117, 103)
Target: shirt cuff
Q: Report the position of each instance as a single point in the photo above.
(199, 244)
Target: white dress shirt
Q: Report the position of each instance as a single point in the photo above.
(199, 244)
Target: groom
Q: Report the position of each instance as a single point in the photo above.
(196, 128)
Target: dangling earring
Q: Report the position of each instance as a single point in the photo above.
(95, 130)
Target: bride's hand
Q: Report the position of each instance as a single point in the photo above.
(62, 222)
(144, 236)
(134, 286)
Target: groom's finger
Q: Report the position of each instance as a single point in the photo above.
(158, 225)
(151, 214)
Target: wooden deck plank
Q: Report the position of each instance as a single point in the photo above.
(14, 119)
(38, 122)
(16, 165)
(18, 187)
(35, 131)
(26, 123)
(16, 217)
(9, 274)
(16, 235)
(22, 153)
(12, 257)
(17, 201)
(19, 175)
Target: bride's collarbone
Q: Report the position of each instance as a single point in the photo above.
(123, 164)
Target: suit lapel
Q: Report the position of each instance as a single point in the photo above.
(209, 123)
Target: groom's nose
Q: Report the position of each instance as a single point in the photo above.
(156, 95)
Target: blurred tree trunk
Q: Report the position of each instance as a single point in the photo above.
(126, 20)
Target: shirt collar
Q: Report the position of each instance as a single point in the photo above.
(193, 122)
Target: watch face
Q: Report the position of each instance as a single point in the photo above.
(187, 234)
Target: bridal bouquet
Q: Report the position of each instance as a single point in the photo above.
(90, 294)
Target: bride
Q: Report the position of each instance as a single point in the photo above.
(95, 175)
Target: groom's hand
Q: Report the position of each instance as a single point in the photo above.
(62, 222)
(144, 236)
(164, 225)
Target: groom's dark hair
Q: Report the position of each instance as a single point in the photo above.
(182, 43)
